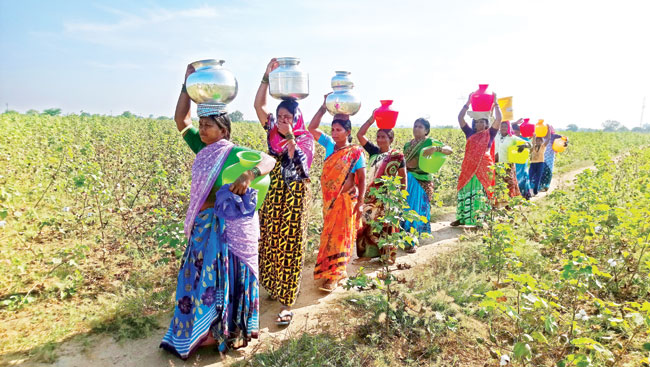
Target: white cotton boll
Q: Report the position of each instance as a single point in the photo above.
(505, 359)
(66, 208)
(612, 262)
(3, 223)
(582, 315)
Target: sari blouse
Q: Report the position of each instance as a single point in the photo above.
(193, 140)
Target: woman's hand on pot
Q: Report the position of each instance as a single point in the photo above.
(325, 99)
(429, 151)
(190, 69)
(242, 183)
(273, 64)
(446, 150)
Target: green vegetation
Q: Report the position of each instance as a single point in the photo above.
(562, 283)
(91, 213)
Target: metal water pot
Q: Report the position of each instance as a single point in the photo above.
(343, 100)
(211, 83)
(288, 81)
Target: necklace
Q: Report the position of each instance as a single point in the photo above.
(336, 149)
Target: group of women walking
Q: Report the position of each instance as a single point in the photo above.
(232, 249)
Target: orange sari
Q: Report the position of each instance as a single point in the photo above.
(339, 220)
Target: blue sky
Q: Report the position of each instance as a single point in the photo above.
(575, 61)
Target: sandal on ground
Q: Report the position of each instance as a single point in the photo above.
(411, 250)
(284, 317)
(455, 223)
(329, 286)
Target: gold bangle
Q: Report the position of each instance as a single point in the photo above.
(265, 79)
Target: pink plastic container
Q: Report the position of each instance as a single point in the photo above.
(527, 129)
(480, 100)
(385, 116)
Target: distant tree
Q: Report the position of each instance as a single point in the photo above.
(127, 114)
(84, 114)
(623, 128)
(162, 118)
(32, 112)
(236, 116)
(10, 112)
(572, 127)
(611, 125)
(52, 112)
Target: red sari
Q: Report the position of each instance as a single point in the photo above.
(478, 159)
(339, 220)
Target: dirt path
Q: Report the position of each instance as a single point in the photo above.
(311, 303)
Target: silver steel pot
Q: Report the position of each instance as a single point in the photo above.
(288, 81)
(211, 83)
(343, 100)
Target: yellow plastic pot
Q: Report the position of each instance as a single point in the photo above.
(514, 156)
(540, 129)
(558, 144)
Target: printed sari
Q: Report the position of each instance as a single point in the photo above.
(419, 186)
(476, 179)
(384, 164)
(339, 219)
(282, 219)
(217, 287)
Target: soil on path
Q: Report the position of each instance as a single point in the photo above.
(311, 306)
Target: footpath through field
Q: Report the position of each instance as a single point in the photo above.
(310, 312)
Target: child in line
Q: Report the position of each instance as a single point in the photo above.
(537, 161)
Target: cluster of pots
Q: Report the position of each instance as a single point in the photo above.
(212, 83)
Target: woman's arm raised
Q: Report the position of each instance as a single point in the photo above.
(463, 111)
(182, 115)
(260, 97)
(361, 134)
(315, 121)
(497, 113)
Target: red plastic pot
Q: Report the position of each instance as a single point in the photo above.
(480, 100)
(385, 116)
(527, 129)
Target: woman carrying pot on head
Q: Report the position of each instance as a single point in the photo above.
(343, 185)
(504, 140)
(523, 180)
(384, 161)
(217, 298)
(549, 160)
(420, 183)
(282, 219)
(476, 178)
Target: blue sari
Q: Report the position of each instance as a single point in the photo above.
(216, 293)
(549, 160)
(419, 201)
